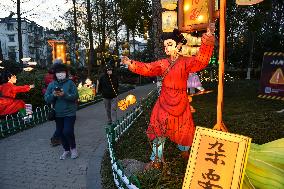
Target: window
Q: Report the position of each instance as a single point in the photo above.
(11, 38)
(10, 26)
(12, 53)
(12, 49)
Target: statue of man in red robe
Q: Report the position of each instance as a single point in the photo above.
(171, 116)
(8, 102)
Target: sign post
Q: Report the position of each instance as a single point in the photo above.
(217, 160)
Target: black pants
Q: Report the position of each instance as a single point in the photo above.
(65, 129)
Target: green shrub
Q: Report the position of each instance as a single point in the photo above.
(34, 96)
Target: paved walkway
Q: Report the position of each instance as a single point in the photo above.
(27, 161)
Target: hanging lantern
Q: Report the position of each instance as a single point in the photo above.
(196, 15)
(169, 21)
(131, 99)
(122, 104)
(169, 4)
(185, 51)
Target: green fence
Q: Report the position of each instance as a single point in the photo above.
(115, 131)
(12, 124)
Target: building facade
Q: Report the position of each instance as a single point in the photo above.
(33, 37)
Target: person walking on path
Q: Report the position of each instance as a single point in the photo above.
(108, 87)
(48, 78)
(62, 92)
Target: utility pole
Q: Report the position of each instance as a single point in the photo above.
(20, 40)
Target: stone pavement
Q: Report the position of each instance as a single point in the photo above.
(27, 161)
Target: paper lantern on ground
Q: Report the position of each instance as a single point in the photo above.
(122, 104)
(169, 21)
(169, 4)
(131, 99)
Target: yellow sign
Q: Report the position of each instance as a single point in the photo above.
(277, 78)
(248, 2)
(217, 160)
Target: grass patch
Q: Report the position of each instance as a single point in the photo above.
(244, 114)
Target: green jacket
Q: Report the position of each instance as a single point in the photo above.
(67, 104)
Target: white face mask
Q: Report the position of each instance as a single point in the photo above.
(60, 75)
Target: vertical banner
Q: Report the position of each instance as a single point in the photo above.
(217, 160)
(272, 76)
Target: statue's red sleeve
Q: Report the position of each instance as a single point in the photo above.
(146, 69)
(21, 89)
(201, 60)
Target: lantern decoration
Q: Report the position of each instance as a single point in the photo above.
(196, 15)
(58, 49)
(169, 21)
(129, 100)
(169, 4)
(122, 104)
(248, 2)
(191, 48)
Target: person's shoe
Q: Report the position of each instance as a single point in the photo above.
(64, 155)
(55, 142)
(74, 153)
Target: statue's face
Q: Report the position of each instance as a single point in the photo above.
(170, 47)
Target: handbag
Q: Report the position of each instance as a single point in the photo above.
(51, 113)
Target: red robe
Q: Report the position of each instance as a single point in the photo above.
(171, 116)
(8, 103)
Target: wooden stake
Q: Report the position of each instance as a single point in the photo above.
(220, 125)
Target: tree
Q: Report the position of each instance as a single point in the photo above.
(91, 39)
(157, 28)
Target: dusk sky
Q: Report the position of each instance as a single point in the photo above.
(45, 10)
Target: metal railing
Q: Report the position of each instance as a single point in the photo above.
(12, 124)
(115, 131)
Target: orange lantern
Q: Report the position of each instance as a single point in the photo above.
(195, 15)
(131, 99)
(122, 104)
(169, 4)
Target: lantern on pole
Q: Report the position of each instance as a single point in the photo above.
(195, 15)
(169, 16)
(169, 21)
(169, 4)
